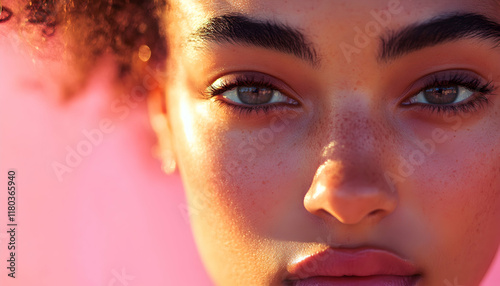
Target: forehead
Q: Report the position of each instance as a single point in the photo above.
(315, 17)
(300, 6)
(323, 23)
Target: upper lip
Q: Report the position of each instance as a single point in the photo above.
(351, 262)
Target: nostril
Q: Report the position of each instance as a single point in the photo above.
(375, 212)
(5, 14)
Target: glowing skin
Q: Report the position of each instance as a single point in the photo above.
(353, 164)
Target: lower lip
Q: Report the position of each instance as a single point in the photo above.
(379, 280)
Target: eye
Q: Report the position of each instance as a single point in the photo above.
(255, 95)
(442, 95)
(251, 94)
(451, 92)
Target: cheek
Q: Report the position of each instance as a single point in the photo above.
(238, 187)
(461, 200)
(242, 173)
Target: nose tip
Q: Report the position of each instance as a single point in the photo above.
(336, 192)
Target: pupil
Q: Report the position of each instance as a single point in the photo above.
(254, 95)
(441, 95)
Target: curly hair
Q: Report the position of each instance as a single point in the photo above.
(124, 28)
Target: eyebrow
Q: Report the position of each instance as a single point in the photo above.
(437, 31)
(242, 30)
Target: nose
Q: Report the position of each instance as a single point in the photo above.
(350, 196)
(350, 183)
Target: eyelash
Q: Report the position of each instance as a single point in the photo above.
(477, 101)
(244, 80)
(458, 79)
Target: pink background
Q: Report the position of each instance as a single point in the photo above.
(115, 214)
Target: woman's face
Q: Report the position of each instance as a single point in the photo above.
(367, 132)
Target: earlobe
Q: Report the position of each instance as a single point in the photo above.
(159, 122)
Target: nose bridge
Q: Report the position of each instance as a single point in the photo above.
(354, 137)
